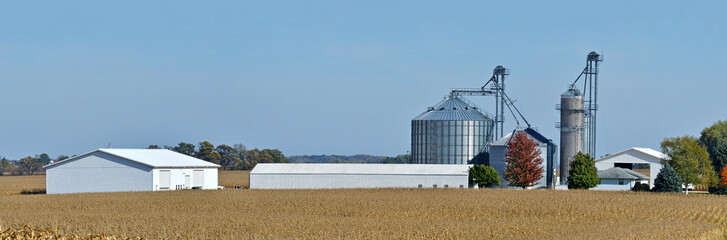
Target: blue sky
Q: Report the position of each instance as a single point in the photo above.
(342, 77)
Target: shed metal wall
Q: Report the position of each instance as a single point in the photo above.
(176, 180)
(330, 181)
(98, 172)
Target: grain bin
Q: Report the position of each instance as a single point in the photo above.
(571, 128)
(452, 132)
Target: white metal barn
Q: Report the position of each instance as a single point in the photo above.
(319, 176)
(124, 170)
(642, 160)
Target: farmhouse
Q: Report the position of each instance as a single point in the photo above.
(617, 178)
(123, 170)
(317, 176)
(642, 160)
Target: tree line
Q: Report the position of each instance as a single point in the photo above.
(235, 157)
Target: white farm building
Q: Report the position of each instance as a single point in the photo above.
(125, 170)
(642, 160)
(320, 176)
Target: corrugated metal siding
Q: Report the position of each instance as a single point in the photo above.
(320, 176)
(98, 172)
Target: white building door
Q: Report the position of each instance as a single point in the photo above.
(186, 182)
(198, 178)
(164, 179)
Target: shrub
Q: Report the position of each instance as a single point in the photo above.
(718, 190)
(483, 176)
(641, 187)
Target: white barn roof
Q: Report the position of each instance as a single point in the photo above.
(648, 151)
(367, 169)
(156, 158)
(621, 173)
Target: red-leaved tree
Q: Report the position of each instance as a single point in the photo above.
(723, 176)
(523, 161)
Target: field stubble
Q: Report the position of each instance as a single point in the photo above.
(375, 213)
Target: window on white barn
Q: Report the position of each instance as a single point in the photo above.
(620, 182)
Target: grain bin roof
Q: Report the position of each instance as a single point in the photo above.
(453, 108)
(156, 158)
(361, 169)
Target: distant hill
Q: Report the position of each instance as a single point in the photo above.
(361, 158)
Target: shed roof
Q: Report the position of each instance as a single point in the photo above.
(657, 156)
(345, 168)
(155, 158)
(504, 140)
(621, 173)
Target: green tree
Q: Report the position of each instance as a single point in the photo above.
(583, 173)
(255, 156)
(229, 157)
(61, 157)
(241, 150)
(208, 153)
(153, 147)
(276, 155)
(715, 139)
(690, 160)
(524, 164)
(29, 165)
(399, 159)
(483, 176)
(667, 180)
(44, 159)
(185, 148)
(4, 165)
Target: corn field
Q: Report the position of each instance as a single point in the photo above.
(371, 213)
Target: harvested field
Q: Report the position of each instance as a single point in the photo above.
(230, 179)
(374, 213)
(10, 185)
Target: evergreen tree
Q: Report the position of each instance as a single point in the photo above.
(583, 173)
(667, 180)
(208, 152)
(523, 161)
(483, 176)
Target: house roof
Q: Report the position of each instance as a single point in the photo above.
(345, 168)
(648, 151)
(621, 173)
(155, 158)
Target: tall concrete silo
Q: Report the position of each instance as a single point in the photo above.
(451, 132)
(571, 128)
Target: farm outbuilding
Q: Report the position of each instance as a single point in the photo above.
(619, 179)
(321, 176)
(126, 170)
(642, 160)
(548, 152)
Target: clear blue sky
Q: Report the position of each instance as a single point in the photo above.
(342, 77)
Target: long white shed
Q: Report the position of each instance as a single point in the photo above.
(321, 176)
(125, 170)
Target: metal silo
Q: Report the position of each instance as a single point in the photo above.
(451, 132)
(571, 128)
